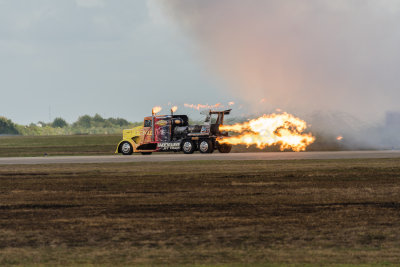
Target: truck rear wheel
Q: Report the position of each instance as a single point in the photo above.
(126, 148)
(224, 148)
(188, 147)
(206, 146)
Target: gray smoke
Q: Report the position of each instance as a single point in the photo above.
(301, 56)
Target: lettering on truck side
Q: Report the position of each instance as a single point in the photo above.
(167, 145)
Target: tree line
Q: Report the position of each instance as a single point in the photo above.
(85, 124)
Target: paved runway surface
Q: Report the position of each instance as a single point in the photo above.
(198, 156)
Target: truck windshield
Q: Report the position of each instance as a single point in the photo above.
(147, 123)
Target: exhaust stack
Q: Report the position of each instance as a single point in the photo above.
(154, 111)
(173, 109)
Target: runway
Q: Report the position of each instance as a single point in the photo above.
(198, 156)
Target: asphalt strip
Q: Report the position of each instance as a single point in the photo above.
(197, 156)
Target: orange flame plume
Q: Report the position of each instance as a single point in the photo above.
(174, 108)
(284, 130)
(156, 109)
(339, 138)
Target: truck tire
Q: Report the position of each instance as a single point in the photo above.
(188, 147)
(206, 146)
(126, 148)
(224, 148)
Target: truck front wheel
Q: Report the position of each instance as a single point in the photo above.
(206, 146)
(126, 148)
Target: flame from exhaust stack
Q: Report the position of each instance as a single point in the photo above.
(200, 106)
(284, 130)
(174, 108)
(156, 109)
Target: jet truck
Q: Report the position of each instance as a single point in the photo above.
(172, 133)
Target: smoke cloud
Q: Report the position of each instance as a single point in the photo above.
(301, 56)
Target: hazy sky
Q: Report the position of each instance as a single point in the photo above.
(122, 57)
(301, 55)
(115, 58)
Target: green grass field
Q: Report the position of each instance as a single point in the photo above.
(56, 145)
(250, 213)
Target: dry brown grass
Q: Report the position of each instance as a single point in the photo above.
(252, 212)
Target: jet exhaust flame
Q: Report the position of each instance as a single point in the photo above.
(284, 130)
(156, 109)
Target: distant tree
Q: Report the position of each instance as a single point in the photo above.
(96, 122)
(59, 123)
(118, 121)
(97, 118)
(84, 121)
(7, 126)
(107, 124)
